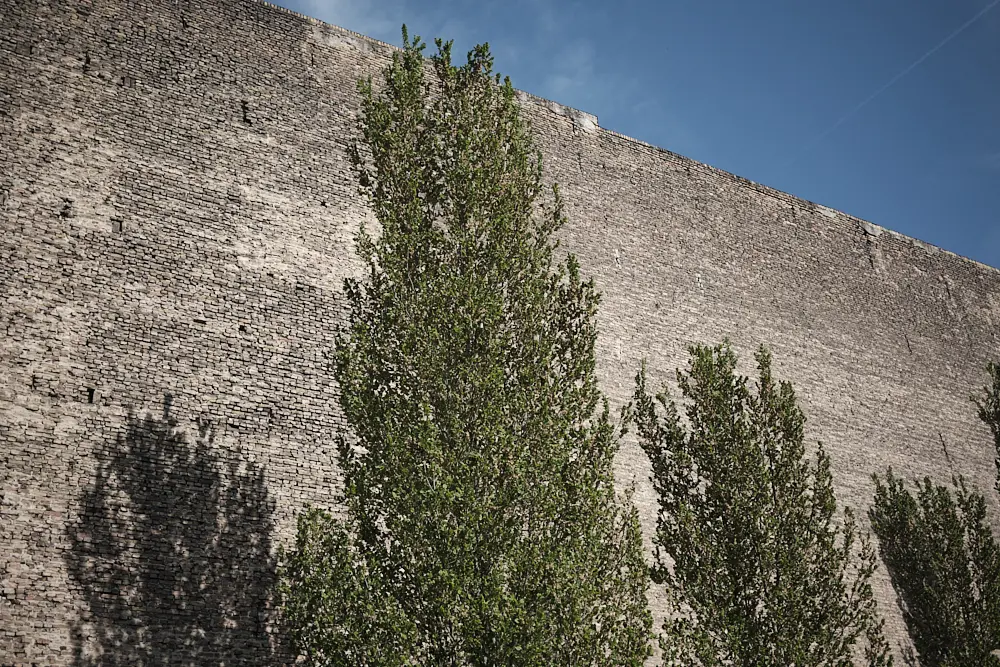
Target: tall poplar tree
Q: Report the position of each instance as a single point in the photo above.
(944, 559)
(481, 524)
(757, 567)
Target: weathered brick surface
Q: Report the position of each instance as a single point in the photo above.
(176, 216)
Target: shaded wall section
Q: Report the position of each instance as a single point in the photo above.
(172, 552)
(177, 217)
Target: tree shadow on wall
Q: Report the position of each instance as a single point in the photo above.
(172, 551)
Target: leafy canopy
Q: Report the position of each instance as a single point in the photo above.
(482, 526)
(943, 558)
(757, 569)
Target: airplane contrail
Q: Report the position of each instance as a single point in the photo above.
(843, 119)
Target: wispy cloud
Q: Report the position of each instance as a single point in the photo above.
(380, 20)
(571, 69)
(547, 55)
(552, 57)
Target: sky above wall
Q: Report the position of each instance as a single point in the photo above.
(887, 110)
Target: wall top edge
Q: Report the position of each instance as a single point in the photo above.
(869, 228)
(588, 122)
(557, 107)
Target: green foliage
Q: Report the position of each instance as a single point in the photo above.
(943, 558)
(945, 566)
(482, 524)
(756, 567)
(988, 404)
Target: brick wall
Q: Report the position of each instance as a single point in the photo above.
(176, 215)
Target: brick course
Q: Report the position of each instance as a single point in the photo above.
(177, 218)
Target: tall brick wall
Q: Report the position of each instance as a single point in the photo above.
(177, 215)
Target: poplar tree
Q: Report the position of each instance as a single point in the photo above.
(943, 558)
(480, 523)
(757, 568)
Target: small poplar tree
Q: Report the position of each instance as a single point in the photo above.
(756, 566)
(945, 567)
(944, 559)
(481, 522)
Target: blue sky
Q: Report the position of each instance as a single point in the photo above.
(887, 109)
